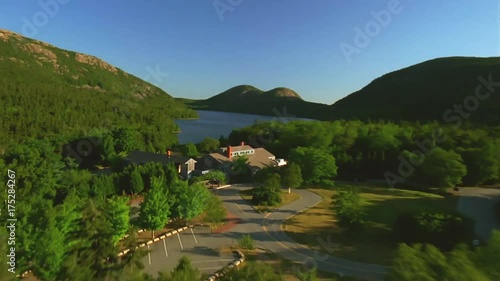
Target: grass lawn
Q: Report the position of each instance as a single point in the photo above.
(374, 243)
(286, 198)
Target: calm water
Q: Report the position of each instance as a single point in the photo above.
(214, 124)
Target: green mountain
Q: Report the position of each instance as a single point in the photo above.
(47, 92)
(429, 91)
(248, 99)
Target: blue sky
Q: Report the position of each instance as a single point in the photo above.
(264, 43)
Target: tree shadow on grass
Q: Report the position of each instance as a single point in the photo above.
(375, 241)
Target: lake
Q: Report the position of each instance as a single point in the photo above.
(213, 124)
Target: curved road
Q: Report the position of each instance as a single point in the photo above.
(478, 203)
(267, 232)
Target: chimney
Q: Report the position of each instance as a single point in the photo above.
(169, 153)
(229, 151)
(242, 143)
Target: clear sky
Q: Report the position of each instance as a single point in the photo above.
(208, 46)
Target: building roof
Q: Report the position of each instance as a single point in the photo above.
(237, 148)
(219, 157)
(138, 157)
(259, 159)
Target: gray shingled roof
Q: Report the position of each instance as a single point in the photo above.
(138, 157)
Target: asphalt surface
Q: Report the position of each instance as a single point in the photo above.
(478, 203)
(200, 246)
(267, 233)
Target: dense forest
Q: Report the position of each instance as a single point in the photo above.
(71, 222)
(51, 93)
(441, 89)
(411, 154)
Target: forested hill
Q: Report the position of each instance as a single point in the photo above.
(428, 91)
(46, 92)
(251, 100)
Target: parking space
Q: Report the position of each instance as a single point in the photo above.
(198, 244)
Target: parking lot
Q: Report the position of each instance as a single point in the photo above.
(197, 243)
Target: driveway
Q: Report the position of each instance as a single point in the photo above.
(268, 234)
(478, 203)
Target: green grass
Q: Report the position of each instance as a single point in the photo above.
(375, 242)
(285, 199)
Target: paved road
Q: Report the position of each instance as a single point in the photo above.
(267, 233)
(478, 203)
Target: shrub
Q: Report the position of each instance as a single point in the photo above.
(268, 193)
(246, 242)
(215, 211)
(212, 175)
(346, 204)
(265, 196)
(442, 230)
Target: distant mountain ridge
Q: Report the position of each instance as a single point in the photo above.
(251, 100)
(429, 91)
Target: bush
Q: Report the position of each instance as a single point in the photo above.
(215, 211)
(346, 204)
(268, 193)
(265, 196)
(444, 231)
(212, 175)
(246, 242)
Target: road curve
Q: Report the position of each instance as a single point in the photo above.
(478, 203)
(267, 232)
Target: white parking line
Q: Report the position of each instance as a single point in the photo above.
(210, 261)
(210, 268)
(165, 247)
(149, 255)
(194, 236)
(180, 242)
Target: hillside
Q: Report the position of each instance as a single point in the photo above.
(46, 92)
(251, 100)
(425, 92)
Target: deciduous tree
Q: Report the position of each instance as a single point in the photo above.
(117, 212)
(155, 209)
(317, 165)
(347, 206)
(292, 176)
